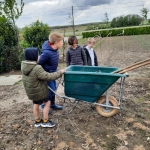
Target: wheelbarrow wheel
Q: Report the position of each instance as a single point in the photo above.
(106, 111)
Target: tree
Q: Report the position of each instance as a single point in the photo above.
(36, 33)
(120, 22)
(144, 12)
(129, 20)
(114, 22)
(106, 18)
(9, 43)
(12, 12)
(9, 52)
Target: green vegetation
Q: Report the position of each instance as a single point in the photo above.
(98, 43)
(99, 26)
(129, 20)
(35, 34)
(13, 40)
(9, 44)
(19, 82)
(144, 12)
(120, 31)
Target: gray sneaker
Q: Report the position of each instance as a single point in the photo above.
(48, 124)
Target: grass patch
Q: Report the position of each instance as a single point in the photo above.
(19, 82)
(98, 43)
(141, 99)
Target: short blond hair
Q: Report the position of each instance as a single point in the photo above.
(91, 40)
(53, 37)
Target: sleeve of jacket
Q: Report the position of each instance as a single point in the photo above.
(43, 58)
(84, 57)
(67, 58)
(95, 59)
(43, 75)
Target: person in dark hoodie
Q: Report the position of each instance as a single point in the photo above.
(49, 61)
(75, 54)
(34, 80)
(90, 53)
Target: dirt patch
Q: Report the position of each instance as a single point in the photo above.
(84, 128)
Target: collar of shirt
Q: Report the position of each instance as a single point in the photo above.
(89, 48)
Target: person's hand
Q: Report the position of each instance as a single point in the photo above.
(63, 70)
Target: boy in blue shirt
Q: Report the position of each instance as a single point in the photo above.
(49, 59)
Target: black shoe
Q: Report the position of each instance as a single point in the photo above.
(49, 124)
(56, 107)
(38, 124)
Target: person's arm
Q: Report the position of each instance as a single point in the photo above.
(84, 57)
(95, 59)
(43, 58)
(67, 58)
(43, 75)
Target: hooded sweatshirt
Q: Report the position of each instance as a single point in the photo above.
(34, 77)
(76, 56)
(49, 58)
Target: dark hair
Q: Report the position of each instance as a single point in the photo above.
(72, 39)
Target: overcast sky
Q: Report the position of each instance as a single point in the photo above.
(56, 12)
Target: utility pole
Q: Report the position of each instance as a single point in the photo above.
(73, 22)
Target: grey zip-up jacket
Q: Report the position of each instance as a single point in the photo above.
(76, 56)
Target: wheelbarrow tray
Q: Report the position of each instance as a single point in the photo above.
(89, 83)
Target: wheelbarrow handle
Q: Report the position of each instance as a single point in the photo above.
(61, 95)
(133, 66)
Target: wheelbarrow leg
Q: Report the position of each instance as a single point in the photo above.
(121, 91)
(73, 107)
(107, 99)
(76, 102)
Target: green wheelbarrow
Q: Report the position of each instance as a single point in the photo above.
(89, 84)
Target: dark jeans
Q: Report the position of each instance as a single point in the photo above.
(51, 95)
(52, 85)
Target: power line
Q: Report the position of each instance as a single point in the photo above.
(86, 7)
(39, 15)
(77, 8)
(110, 4)
(111, 7)
(50, 11)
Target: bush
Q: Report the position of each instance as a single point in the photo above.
(9, 50)
(115, 32)
(35, 34)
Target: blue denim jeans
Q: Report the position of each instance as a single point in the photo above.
(52, 85)
(51, 95)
